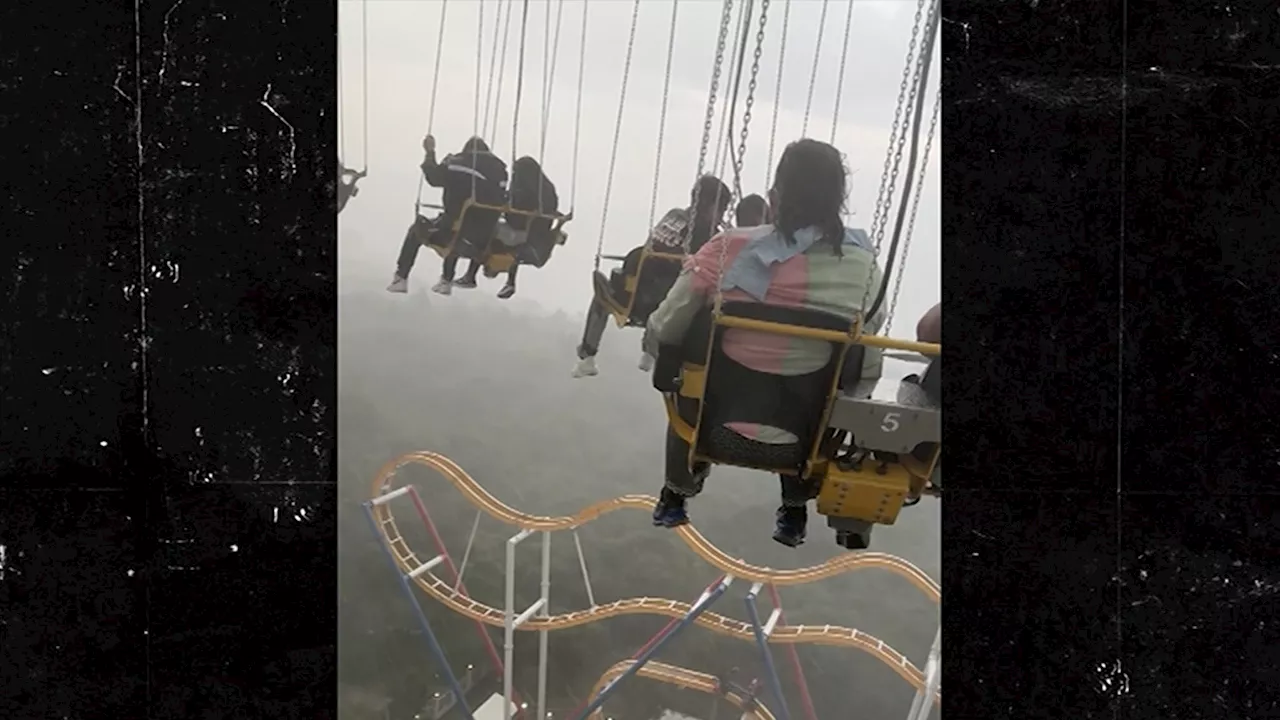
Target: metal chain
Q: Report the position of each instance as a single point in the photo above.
(493, 66)
(718, 159)
(931, 27)
(577, 119)
(813, 73)
(502, 75)
(884, 198)
(777, 92)
(726, 17)
(435, 73)
(549, 83)
(364, 86)
(515, 113)
(908, 89)
(751, 99)
(662, 114)
(617, 131)
(844, 56)
(742, 144)
(915, 207)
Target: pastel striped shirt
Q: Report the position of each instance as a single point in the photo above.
(817, 279)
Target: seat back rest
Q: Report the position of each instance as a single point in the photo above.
(735, 393)
(477, 225)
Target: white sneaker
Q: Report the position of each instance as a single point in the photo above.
(398, 285)
(444, 287)
(646, 362)
(586, 367)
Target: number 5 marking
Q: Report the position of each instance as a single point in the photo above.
(890, 423)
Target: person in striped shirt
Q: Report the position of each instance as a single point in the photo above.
(711, 197)
(806, 258)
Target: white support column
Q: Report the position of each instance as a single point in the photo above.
(923, 702)
(544, 611)
(509, 624)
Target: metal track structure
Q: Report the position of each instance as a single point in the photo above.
(413, 572)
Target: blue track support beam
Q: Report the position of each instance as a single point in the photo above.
(436, 650)
(775, 684)
(698, 608)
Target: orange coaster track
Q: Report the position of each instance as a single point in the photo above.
(782, 634)
(687, 679)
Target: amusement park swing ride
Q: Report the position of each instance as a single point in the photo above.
(873, 455)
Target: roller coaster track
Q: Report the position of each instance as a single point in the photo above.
(687, 679)
(831, 635)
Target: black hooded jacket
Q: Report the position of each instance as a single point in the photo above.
(457, 175)
(531, 190)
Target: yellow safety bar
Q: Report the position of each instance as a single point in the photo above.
(622, 315)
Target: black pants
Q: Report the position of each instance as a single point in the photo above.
(687, 483)
(419, 234)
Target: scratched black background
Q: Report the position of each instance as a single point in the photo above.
(167, 511)
(1082, 145)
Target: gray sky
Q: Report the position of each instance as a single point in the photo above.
(402, 44)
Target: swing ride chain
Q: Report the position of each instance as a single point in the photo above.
(915, 207)
(893, 158)
(726, 18)
(617, 132)
(742, 145)
(662, 114)
(751, 99)
(777, 92)
(908, 90)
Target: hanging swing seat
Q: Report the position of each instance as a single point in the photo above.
(483, 231)
(869, 457)
(621, 293)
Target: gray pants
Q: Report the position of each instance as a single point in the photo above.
(681, 481)
(597, 321)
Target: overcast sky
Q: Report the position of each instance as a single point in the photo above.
(402, 42)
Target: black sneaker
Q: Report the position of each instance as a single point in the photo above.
(507, 291)
(466, 283)
(670, 510)
(790, 525)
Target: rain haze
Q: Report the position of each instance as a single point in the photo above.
(486, 381)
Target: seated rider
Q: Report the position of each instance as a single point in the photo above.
(806, 259)
(532, 237)
(474, 174)
(347, 184)
(710, 197)
(752, 211)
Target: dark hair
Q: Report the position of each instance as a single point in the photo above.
(475, 144)
(707, 191)
(751, 211)
(527, 164)
(809, 188)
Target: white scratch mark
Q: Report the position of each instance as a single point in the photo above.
(129, 573)
(3, 552)
(235, 548)
(48, 370)
(275, 514)
(116, 85)
(103, 443)
(164, 56)
(142, 245)
(293, 146)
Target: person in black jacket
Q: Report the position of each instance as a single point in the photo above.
(474, 174)
(533, 237)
